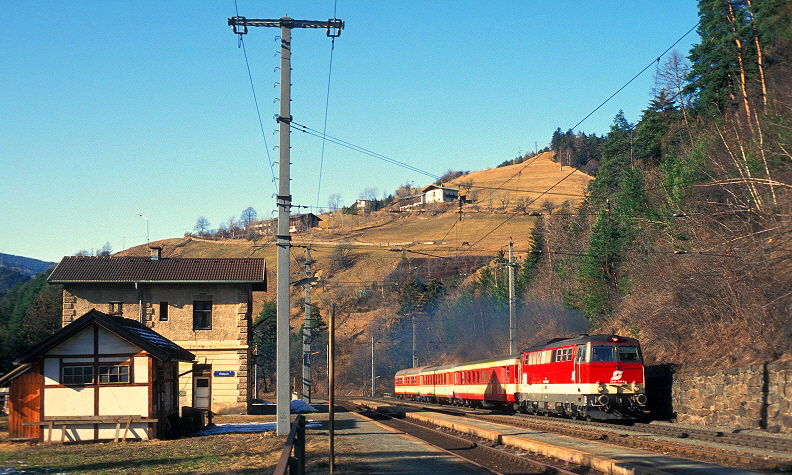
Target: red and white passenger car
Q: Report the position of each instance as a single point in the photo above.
(592, 376)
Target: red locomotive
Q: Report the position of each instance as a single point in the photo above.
(592, 376)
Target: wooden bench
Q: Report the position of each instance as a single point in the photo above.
(63, 422)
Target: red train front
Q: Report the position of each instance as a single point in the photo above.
(592, 376)
(595, 377)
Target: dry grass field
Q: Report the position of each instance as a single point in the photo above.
(229, 454)
(375, 240)
(536, 180)
(482, 227)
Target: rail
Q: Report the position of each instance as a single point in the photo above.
(288, 463)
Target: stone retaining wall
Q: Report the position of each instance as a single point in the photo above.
(751, 397)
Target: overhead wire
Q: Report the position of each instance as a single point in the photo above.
(327, 108)
(657, 60)
(310, 131)
(255, 102)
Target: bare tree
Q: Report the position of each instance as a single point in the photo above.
(202, 225)
(466, 184)
(248, 216)
(521, 206)
(548, 206)
(369, 194)
(671, 78)
(106, 250)
(334, 202)
(505, 200)
(404, 190)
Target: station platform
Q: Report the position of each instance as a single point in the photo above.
(384, 451)
(596, 455)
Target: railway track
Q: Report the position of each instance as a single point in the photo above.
(481, 452)
(751, 451)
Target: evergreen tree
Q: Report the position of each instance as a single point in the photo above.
(600, 266)
(265, 342)
(530, 266)
(29, 313)
(654, 127)
(725, 60)
(617, 156)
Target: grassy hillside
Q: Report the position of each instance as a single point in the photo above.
(535, 181)
(362, 261)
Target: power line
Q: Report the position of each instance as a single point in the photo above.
(255, 102)
(357, 148)
(655, 61)
(327, 108)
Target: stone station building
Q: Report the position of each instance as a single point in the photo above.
(204, 305)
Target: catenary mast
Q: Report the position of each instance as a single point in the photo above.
(286, 24)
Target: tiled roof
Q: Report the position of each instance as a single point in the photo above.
(85, 269)
(130, 330)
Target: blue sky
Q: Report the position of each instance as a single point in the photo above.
(110, 110)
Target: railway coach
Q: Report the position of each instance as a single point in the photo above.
(591, 376)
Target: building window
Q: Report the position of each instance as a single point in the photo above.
(163, 311)
(114, 374)
(77, 374)
(116, 308)
(202, 315)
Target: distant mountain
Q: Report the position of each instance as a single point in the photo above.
(24, 265)
(17, 269)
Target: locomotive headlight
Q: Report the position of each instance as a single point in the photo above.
(635, 386)
(600, 387)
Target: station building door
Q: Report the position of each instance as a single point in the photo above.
(202, 386)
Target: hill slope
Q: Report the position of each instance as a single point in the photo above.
(363, 261)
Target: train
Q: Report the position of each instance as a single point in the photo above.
(592, 377)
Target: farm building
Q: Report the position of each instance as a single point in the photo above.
(202, 304)
(439, 194)
(94, 378)
(297, 223)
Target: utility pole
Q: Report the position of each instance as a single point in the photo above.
(512, 349)
(240, 27)
(331, 386)
(307, 329)
(414, 354)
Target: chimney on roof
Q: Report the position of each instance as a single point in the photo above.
(155, 253)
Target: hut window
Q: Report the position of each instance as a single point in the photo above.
(77, 375)
(114, 374)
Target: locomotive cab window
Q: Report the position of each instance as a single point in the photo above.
(629, 354)
(602, 354)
